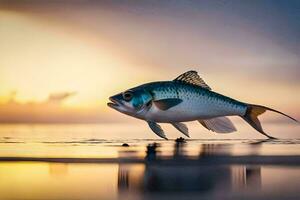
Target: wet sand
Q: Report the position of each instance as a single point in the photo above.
(44, 164)
(159, 170)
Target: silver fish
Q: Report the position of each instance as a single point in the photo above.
(186, 98)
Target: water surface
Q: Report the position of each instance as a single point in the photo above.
(82, 162)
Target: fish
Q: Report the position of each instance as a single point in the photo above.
(187, 98)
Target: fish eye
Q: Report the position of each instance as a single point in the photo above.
(127, 96)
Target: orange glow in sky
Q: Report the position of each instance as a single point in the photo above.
(98, 50)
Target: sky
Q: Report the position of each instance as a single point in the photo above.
(61, 60)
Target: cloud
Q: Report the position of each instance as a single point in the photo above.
(50, 110)
(59, 97)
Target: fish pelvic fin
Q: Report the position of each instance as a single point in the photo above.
(156, 128)
(252, 113)
(218, 124)
(182, 128)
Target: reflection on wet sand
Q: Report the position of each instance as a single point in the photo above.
(58, 169)
(130, 177)
(157, 171)
(157, 177)
(245, 177)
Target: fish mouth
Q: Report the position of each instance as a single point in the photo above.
(114, 103)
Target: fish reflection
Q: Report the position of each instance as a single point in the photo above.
(243, 177)
(130, 177)
(180, 176)
(179, 150)
(207, 150)
(151, 152)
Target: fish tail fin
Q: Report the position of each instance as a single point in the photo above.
(252, 113)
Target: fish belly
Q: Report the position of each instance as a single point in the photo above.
(196, 108)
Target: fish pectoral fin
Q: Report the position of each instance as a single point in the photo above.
(182, 128)
(218, 124)
(156, 128)
(165, 104)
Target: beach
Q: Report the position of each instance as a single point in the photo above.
(132, 100)
(61, 162)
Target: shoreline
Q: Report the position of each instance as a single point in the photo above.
(206, 160)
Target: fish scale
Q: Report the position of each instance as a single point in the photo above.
(198, 103)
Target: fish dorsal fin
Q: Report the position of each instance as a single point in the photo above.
(192, 77)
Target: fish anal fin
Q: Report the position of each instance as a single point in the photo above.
(218, 124)
(182, 128)
(156, 128)
(165, 104)
(192, 77)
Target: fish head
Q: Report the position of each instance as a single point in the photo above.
(131, 102)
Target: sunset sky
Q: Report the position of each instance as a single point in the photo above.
(61, 60)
